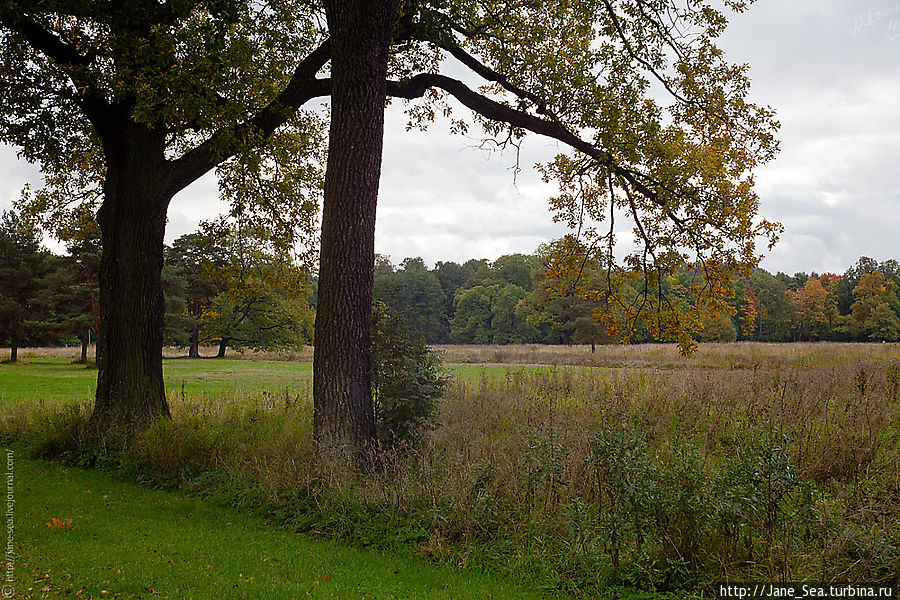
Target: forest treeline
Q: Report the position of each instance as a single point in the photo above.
(232, 287)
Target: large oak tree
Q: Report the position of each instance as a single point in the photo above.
(658, 123)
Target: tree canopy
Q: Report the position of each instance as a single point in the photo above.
(657, 120)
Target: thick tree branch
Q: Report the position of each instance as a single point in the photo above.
(302, 87)
(95, 106)
(491, 75)
(43, 40)
(418, 85)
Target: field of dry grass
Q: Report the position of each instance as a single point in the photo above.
(709, 355)
(666, 356)
(743, 462)
(302, 355)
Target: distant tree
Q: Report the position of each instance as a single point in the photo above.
(718, 329)
(874, 313)
(561, 314)
(843, 290)
(80, 298)
(263, 302)
(891, 270)
(65, 208)
(452, 277)
(507, 327)
(414, 292)
(883, 324)
(383, 265)
(177, 324)
(814, 310)
(487, 314)
(775, 312)
(472, 315)
(69, 301)
(24, 265)
(185, 260)
(748, 314)
(479, 270)
(792, 282)
(516, 269)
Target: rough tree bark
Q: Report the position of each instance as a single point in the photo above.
(132, 219)
(85, 341)
(194, 349)
(344, 420)
(194, 310)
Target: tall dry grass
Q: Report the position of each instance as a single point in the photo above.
(303, 354)
(776, 463)
(711, 355)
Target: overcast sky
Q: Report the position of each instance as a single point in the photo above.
(830, 68)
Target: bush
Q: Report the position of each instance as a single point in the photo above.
(407, 380)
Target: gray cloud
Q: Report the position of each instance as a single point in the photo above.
(14, 174)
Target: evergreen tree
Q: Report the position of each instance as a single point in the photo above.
(24, 266)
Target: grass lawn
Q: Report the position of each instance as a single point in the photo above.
(57, 379)
(125, 541)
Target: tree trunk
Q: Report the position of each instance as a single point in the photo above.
(85, 340)
(13, 352)
(194, 349)
(223, 345)
(344, 420)
(195, 310)
(132, 219)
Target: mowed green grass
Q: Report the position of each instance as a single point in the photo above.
(57, 379)
(125, 541)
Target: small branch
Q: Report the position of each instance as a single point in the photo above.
(302, 87)
(490, 109)
(491, 75)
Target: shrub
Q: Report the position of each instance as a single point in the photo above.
(407, 379)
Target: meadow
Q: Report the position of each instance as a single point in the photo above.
(629, 470)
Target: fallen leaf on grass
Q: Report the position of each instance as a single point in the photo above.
(58, 523)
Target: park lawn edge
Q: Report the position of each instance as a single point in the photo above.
(110, 517)
(212, 511)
